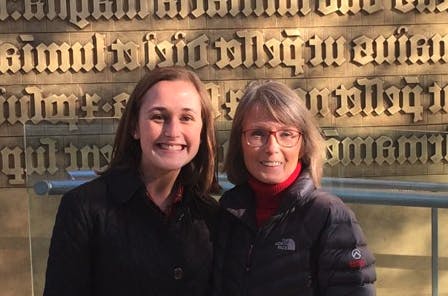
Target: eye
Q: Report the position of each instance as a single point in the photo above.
(157, 117)
(186, 118)
(288, 134)
(257, 133)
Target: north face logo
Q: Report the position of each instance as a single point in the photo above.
(286, 244)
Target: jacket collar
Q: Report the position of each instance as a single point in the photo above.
(299, 192)
(123, 184)
(242, 201)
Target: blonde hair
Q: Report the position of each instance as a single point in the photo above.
(285, 106)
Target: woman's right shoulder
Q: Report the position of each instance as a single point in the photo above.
(91, 191)
(235, 195)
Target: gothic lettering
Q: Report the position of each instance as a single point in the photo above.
(327, 52)
(53, 57)
(402, 49)
(126, 55)
(180, 53)
(248, 48)
(368, 97)
(439, 98)
(13, 164)
(406, 6)
(81, 12)
(89, 157)
(348, 151)
(349, 6)
(318, 102)
(250, 51)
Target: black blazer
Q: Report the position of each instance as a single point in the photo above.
(110, 239)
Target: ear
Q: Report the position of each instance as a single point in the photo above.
(136, 134)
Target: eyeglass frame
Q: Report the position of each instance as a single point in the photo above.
(269, 134)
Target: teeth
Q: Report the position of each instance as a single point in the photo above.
(271, 163)
(171, 147)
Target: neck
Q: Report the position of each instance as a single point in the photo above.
(159, 187)
(267, 196)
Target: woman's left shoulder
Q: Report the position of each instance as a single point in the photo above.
(328, 202)
(208, 201)
(203, 203)
(325, 198)
(205, 208)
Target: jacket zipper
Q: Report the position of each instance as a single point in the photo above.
(249, 258)
(245, 290)
(250, 252)
(268, 228)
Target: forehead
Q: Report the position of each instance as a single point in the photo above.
(178, 94)
(259, 116)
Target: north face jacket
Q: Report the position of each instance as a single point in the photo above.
(312, 246)
(110, 239)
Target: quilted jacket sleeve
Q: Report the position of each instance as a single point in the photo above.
(345, 266)
(68, 267)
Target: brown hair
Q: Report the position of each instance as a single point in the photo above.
(285, 106)
(127, 152)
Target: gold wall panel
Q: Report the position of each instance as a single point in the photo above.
(374, 73)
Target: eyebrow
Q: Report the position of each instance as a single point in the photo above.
(163, 109)
(160, 108)
(261, 126)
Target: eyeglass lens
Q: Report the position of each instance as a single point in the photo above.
(259, 137)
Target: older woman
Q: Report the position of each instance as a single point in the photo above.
(285, 236)
(144, 227)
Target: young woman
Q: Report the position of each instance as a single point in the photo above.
(284, 235)
(144, 227)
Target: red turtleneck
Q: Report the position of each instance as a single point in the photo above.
(267, 196)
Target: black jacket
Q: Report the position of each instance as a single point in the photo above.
(313, 245)
(110, 239)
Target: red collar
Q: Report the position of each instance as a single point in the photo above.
(266, 195)
(270, 190)
(177, 195)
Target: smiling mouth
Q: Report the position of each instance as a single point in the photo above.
(271, 163)
(171, 147)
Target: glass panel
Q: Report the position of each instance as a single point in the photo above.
(387, 167)
(443, 251)
(52, 150)
(408, 166)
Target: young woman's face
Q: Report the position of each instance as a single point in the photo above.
(269, 163)
(169, 126)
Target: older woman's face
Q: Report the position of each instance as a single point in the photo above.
(169, 126)
(270, 163)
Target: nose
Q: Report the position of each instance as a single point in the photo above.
(271, 145)
(171, 129)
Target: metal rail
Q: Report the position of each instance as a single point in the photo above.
(352, 190)
(384, 184)
(372, 191)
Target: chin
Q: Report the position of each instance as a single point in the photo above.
(272, 179)
(170, 166)
(176, 166)
(269, 180)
